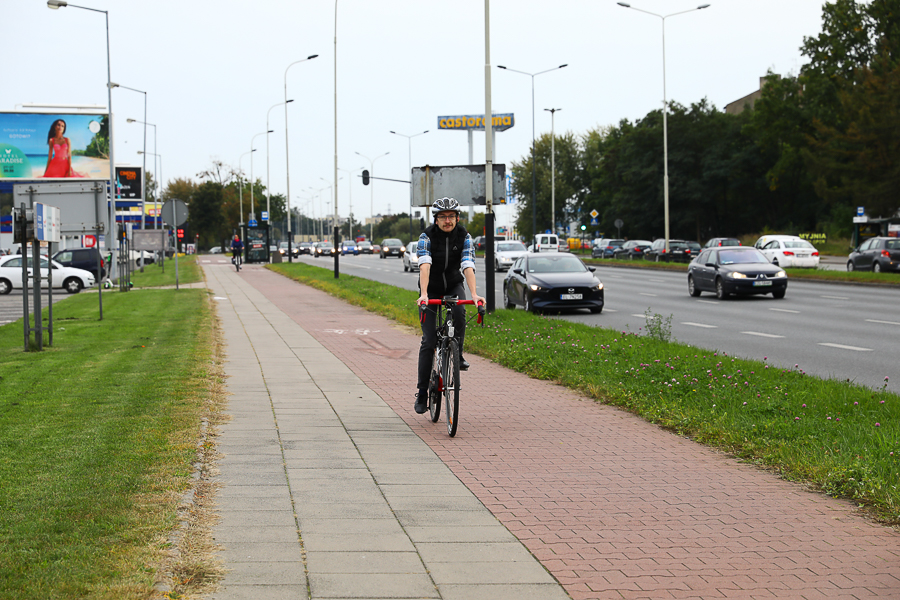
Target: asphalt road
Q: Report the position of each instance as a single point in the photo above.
(829, 330)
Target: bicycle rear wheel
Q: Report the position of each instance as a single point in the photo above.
(451, 386)
(434, 391)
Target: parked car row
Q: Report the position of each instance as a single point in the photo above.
(70, 279)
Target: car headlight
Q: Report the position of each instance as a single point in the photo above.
(535, 287)
(735, 275)
(597, 287)
(779, 274)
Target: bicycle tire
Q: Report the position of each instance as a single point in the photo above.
(451, 386)
(434, 391)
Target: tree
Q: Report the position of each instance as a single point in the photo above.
(206, 217)
(181, 189)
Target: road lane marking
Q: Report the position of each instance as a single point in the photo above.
(639, 316)
(768, 335)
(708, 301)
(787, 310)
(835, 297)
(701, 325)
(612, 310)
(884, 322)
(645, 294)
(658, 280)
(843, 347)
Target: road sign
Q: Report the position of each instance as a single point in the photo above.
(89, 241)
(860, 211)
(618, 223)
(265, 215)
(594, 214)
(593, 221)
(252, 223)
(175, 212)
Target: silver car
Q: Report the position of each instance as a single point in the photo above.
(506, 253)
(411, 257)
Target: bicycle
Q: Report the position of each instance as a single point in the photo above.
(444, 378)
(236, 260)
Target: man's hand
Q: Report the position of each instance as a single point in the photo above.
(478, 299)
(423, 299)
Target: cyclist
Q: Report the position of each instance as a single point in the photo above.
(237, 248)
(446, 259)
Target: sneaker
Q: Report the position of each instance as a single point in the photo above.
(421, 401)
(463, 365)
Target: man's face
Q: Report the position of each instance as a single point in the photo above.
(446, 220)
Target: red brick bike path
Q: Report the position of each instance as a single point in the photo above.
(612, 506)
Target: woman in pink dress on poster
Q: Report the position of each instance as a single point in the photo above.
(59, 156)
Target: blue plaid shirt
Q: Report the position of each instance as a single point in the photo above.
(423, 251)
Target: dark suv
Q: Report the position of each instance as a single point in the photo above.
(392, 247)
(82, 258)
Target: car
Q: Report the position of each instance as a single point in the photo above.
(305, 248)
(605, 247)
(679, 251)
(788, 251)
(349, 248)
(85, 259)
(376, 249)
(136, 255)
(876, 254)
(717, 242)
(391, 247)
(70, 279)
(324, 249)
(411, 256)
(365, 247)
(217, 250)
(506, 253)
(283, 248)
(552, 281)
(739, 270)
(631, 249)
(545, 242)
(480, 242)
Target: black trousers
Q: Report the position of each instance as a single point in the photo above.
(429, 334)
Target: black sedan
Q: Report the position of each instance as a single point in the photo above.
(739, 270)
(631, 249)
(552, 281)
(876, 254)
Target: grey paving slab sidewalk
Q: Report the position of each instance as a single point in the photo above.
(327, 493)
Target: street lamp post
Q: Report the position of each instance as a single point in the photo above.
(552, 112)
(350, 173)
(409, 174)
(155, 172)
(533, 157)
(287, 154)
(665, 109)
(268, 190)
(372, 192)
(241, 184)
(252, 205)
(144, 168)
(111, 236)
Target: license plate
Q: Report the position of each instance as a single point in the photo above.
(761, 283)
(803, 256)
(570, 297)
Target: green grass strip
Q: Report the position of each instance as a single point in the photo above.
(97, 438)
(836, 436)
(156, 275)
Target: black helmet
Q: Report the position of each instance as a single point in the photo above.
(446, 204)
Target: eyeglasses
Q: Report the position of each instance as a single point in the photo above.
(445, 217)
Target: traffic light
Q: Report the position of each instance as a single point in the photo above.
(365, 175)
(180, 234)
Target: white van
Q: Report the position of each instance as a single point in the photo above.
(545, 242)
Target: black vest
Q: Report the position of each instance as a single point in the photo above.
(446, 259)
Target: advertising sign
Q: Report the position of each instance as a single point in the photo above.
(46, 222)
(500, 122)
(37, 145)
(128, 182)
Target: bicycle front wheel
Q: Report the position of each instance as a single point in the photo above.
(451, 386)
(434, 391)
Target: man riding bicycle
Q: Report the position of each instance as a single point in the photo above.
(446, 259)
(237, 248)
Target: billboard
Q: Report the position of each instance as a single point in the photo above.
(499, 122)
(39, 145)
(128, 183)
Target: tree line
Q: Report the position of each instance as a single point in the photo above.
(811, 149)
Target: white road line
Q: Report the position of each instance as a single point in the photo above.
(708, 301)
(639, 316)
(768, 335)
(884, 322)
(843, 347)
(835, 297)
(609, 310)
(787, 310)
(704, 325)
(641, 294)
(658, 280)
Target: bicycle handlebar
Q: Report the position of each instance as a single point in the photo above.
(450, 302)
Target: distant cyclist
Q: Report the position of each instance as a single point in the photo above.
(446, 260)
(237, 249)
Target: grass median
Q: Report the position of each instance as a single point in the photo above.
(98, 436)
(834, 436)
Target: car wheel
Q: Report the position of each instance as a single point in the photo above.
(876, 268)
(596, 310)
(405, 268)
(851, 266)
(529, 307)
(506, 301)
(693, 290)
(5, 287)
(72, 285)
(721, 294)
(779, 294)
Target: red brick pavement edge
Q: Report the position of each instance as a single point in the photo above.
(612, 506)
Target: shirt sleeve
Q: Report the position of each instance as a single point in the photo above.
(423, 250)
(468, 255)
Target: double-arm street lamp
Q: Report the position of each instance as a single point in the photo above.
(268, 188)
(155, 172)
(372, 192)
(287, 154)
(665, 109)
(533, 157)
(241, 184)
(144, 169)
(553, 112)
(252, 205)
(409, 172)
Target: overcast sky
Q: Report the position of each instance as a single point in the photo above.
(212, 71)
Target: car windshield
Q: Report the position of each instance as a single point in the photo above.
(615, 243)
(364, 244)
(511, 247)
(731, 257)
(391, 243)
(799, 244)
(563, 263)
